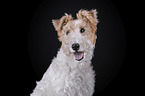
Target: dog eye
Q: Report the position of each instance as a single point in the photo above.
(67, 32)
(82, 30)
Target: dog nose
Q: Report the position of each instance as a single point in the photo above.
(75, 46)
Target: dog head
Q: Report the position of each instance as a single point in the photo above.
(78, 36)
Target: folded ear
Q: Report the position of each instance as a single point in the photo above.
(58, 24)
(55, 24)
(90, 16)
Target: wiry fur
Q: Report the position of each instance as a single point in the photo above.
(66, 76)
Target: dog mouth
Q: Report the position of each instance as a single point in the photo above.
(78, 55)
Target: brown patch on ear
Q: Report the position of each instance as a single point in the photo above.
(58, 24)
(55, 24)
(91, 16)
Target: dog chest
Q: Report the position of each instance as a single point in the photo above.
(75, 83)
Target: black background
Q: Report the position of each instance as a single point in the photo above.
(25, 72)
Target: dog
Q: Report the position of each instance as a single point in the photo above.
(71, 73)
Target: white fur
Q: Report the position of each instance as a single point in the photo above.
(67, 76)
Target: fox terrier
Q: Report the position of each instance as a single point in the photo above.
(71, 73)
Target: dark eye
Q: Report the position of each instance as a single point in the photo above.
(82, 30)
(67, 32)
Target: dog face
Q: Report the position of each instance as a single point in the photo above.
(77, 35)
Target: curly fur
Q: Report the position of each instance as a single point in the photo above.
(66, 76)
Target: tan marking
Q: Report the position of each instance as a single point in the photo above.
(88, 19)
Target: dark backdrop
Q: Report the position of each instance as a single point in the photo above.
(38, 43)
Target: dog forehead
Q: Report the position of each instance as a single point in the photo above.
(74, 24)
(78, 22)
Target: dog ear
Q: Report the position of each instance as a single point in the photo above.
(90, 16)
(58, 24)
(55, 24)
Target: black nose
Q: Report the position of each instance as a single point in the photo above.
(75, 46)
